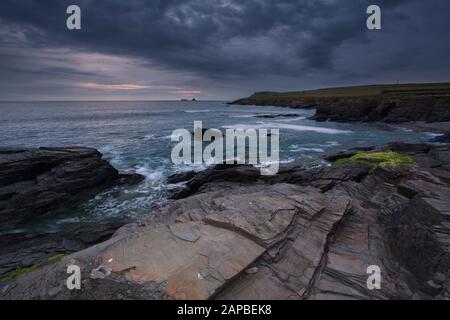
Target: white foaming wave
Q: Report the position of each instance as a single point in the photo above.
(243, 116)
(327, 144)
(332, 143)
(153, 175)
(269, 163)
(404, 129)
(291, 119)
(295, 127)
(197, 111)
(150, 137)
(300, 149)
(195, 167)
(433, 134)
(114, 156)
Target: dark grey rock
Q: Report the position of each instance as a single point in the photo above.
(445, 138)
(24, 249)
(278, 115)
(432, 288)
(308, 237)
(45, 181)
(439, 278)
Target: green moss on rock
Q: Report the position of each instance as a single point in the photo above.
(378, 159)
(56, 258)
(18, 272)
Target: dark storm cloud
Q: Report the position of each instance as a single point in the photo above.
(239, 40)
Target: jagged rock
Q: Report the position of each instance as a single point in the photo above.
(39, 182)
(409, 147)
(25, 249)
(36, 183)
(439, 278)
(220, 173)
(129, 178)
(181, 177)
(305, 242)
(333, 176)
(101, 272)
(445, 138)
(432, 288)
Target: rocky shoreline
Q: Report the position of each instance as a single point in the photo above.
(302, 234)
(45, 182)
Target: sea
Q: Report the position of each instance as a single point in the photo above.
(135, 136)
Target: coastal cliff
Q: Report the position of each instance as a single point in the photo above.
(305, 233)
(385, 103)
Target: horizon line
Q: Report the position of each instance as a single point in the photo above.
(98, 100)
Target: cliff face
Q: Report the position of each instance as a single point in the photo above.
(390, 103)
(386, 109)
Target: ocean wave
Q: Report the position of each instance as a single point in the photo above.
(190, 167)
(273, 125)
(243, 116)
(269, 163)
(153, 175)
(433, 134)
(290, 119)
(327, 144)
(197, 111)
(112, 154)
(300, 149)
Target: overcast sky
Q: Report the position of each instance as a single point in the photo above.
(215, 49)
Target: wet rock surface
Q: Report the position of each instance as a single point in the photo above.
(445, 138)
(20, 250)
(45, 182)
(39, 182)
(302, 234)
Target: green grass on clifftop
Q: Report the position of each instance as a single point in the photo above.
(378, 159)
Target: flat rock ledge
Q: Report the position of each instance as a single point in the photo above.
(303, 234)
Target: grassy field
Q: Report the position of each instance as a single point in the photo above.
(359, 91)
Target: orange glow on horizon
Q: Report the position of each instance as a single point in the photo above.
(122, 86)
